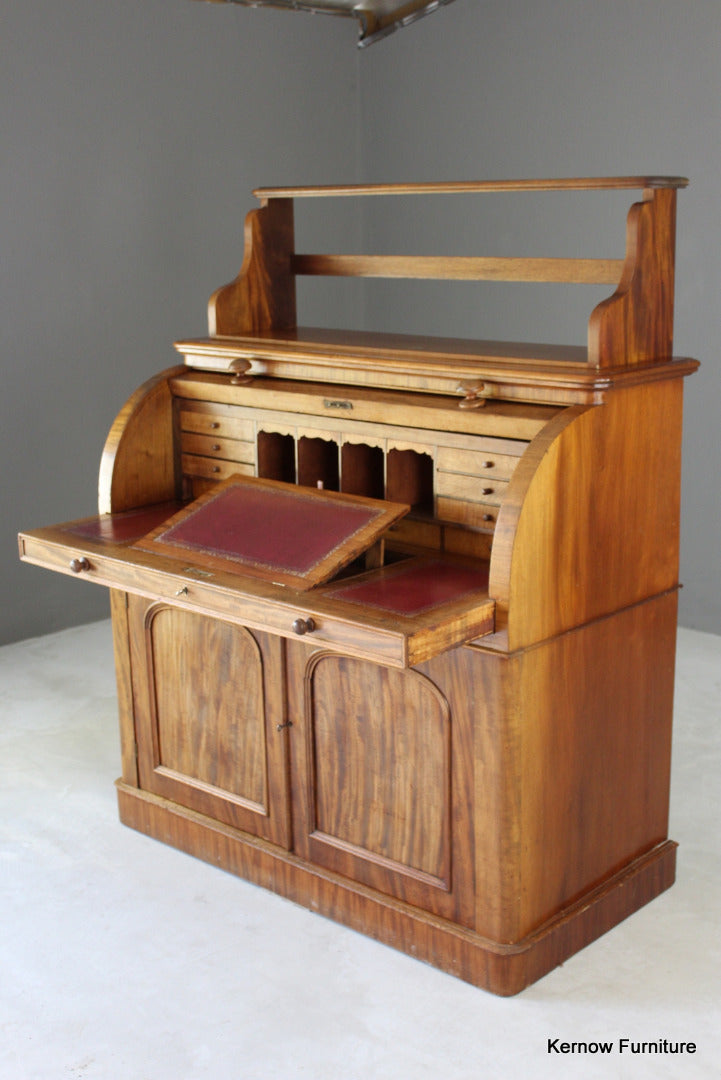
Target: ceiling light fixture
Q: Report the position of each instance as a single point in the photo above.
(376, 18)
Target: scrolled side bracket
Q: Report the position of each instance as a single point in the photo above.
(635, 325)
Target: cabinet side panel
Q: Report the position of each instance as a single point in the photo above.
(595, 753)
(598, 527)
(138, 463)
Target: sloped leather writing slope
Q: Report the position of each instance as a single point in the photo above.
(275, 531)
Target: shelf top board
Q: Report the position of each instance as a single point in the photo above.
(404, 349)
(429, 364)
(460, 187)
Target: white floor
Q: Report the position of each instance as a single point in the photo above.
(121, 958)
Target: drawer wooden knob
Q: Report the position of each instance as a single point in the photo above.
(487, 491)
(472, 392)
(487, 465)
(303, 626)
(239, 370)
(215, 424)
(79, 564)
(488, 517)
(215, 446)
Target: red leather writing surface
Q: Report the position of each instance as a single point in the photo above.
(124, 527)
(282, 530)
(413, 589)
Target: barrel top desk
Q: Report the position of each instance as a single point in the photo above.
(395, 616)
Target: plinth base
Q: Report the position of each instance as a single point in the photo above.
(503, 969)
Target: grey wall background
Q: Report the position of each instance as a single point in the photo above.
(575, 88)
(133, 131)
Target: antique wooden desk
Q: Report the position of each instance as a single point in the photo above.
(395, 617)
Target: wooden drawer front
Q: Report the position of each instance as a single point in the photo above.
(217, 423)
(218, 447)
(476, 462)
(214, 469)
(472, 488)
(258, 611)
(475, 515)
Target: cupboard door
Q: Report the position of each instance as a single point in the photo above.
(210, 716)
(380, 764)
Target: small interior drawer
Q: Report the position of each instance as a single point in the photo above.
(476, 462)
(475, 515)
(214, 469)
(217, 423)
(482, 489)
(217, 446)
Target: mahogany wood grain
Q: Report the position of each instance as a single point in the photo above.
(466, 542)
(476, 489)
(385, 804)
(137, 467)
(462, 268)
(458, 187)
(510, 371)
(208, 707)
(635, 325)
(263, 293)
(590, 521)
(306, 343)
(378, 792)
(362, 469)
(594, 762)
(123, 679)
(491, 462)
(525, 765)
(194, 465)
(242, 451)
(368, 409)
(213, 420)
(205, 728)
(474, 514)
(371, 633)
(502, 968)
(465, 752)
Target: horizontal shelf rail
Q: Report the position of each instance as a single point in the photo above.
(462, 268)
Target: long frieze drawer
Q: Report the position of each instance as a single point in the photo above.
(234, 604)
(217, 422)
(218, 447)
(474, 515)
(394, 640)
(480, 489)
(213, 469)
(476, 463)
